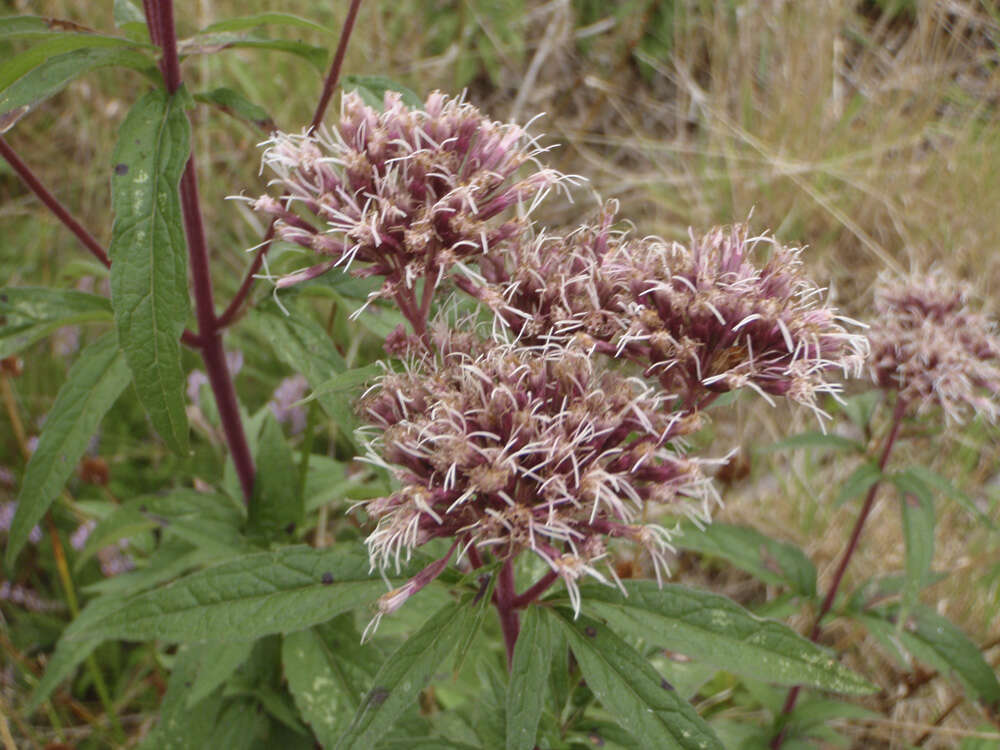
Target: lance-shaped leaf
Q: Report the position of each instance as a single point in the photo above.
(628, 686)
(770, 560)
(917, 510)
(93, 384)
(716, 629)
(235, 104)
(372, 90)
(404, 675)
(246, 598)
(936, 641)
(41, 72)
(245, 23)
(529, 674)
(327, 673)
(276, 508)
(149, 291)
(859, 482)
(28, 314)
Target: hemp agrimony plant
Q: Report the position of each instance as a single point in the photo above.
(453, 524)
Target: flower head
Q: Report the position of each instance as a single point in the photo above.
(928, 345)
(509, 447)
(408, 192)
(709, 316)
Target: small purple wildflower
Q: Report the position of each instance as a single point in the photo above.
(79, 537)
(282, 404)
(7, 511)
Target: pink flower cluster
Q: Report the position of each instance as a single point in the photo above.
(932, 348)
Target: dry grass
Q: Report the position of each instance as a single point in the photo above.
(875, 139)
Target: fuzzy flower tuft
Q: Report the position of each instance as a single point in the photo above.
(707, 317)
(508, 447)
(928, 345)
(410, 193)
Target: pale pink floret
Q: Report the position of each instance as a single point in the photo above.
(931, 347)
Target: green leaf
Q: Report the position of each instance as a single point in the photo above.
(528, 675)
(93, 384)
(325, 682)
(917, 510)
(276, 508)
(149, 291)
(859, 482)
(40, 72)
(223, 659)
(246, 598)
(181, 725)
(404, 675)
(234, 103)
(245, 23)
(816, 439)
(772, 561)
(347, 382)
(859, 408)
(935, 640)
(935, 481)
(715, 629)
(126, 12)
(216, 42)
(69, 654)
(627, 685)
(29, 314)
(372, 90)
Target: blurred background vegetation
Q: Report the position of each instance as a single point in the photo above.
(867, 130)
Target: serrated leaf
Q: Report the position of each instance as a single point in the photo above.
(93, 384)
(816, 439)
(772, 561)
(528, 675)
(28, 314)
(40, 72)
(325, 684)
(223, 660)
(917, 511)
(716, 629)
(859, 482)
(234, 103)
(170, 560)
(276, 508)
(628, 687)
(149, 290)
(372, 90)
(404, 675)
(938, 642)
(246, 598)
(245, 23)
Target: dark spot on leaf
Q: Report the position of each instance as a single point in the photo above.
(290, 528)
(596, 739)
(188, 683)
(590, 631)
(484, 581)
(377, 697)
(666, 685)
(121, 169)
(259, 708)
(4, 298)
(327, 578)
(142, 508)
(912, 501)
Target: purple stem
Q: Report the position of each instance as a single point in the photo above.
(329, 84)
(504, 599)
(212, 352)
(897, 420)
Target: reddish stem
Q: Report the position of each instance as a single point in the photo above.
(52, 203)
(897, 420)
(212, 353)
(540, 587)
(504, 600)
(329, 84)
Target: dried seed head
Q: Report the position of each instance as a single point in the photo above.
(928, 345)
